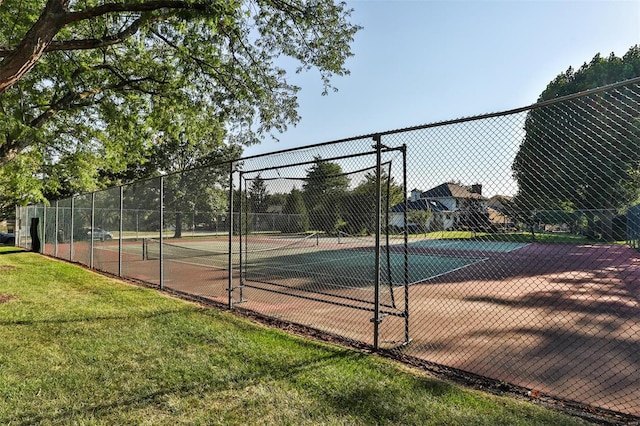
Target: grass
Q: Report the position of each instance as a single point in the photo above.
(81, 348)
(520, 237)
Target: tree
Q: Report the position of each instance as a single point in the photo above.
(192, 158)
(296, 217)
(18, 182)
(421, 218)
(359, 209)
(258, 195)
(87, 84)
(583, 154)
(323, 191)
(474, 216)
(277, 199)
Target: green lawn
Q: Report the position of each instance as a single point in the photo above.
(520, 237)
(81, 348)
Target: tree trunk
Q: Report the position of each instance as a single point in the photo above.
(27, 54)
(178, 231)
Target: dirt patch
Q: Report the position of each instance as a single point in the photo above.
(7, 268)
(6, 297)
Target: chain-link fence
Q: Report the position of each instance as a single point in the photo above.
(502, 246)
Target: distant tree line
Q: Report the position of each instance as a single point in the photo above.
(326, 201)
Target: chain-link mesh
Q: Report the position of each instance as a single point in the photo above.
(195, 244)
(106, 230)
(320, 244)
(505, 246)
(541, 198)
(50, 231)
(81, 230)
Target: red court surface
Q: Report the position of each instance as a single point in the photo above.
(559, 319)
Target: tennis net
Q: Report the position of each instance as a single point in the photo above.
(261, 245)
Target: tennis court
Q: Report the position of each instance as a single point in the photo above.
(468, 245)
(312, 262)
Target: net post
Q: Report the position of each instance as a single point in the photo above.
(376, 313)
(230, 245)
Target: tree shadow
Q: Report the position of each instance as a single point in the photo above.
(11, 250)
(96, 318)
(353, 398)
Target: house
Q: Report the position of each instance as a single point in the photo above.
(8, 225)
(499, 202)
(498, 212)
(455, 196)
(446, 202)
(440, 214)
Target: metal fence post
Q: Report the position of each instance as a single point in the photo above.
(406, 244)
(71, 233)
(44, 228)
(16, 229)
(230, 215)
(55, 233)
(161, 232)
(240, 230)
(93, 224)
(120, 229)
(376, 313)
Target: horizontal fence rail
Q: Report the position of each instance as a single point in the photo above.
(504, 246)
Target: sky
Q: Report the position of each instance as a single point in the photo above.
(419, 62)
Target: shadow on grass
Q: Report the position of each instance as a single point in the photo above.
(5, 249)
(353, 398)
(92, 318)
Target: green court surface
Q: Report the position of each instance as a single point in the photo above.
(355, 268)
(317, 265)
(468, 245)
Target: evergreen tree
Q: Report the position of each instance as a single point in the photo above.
(296, 217)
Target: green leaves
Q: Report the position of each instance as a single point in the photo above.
(583, 153)
(113, 85)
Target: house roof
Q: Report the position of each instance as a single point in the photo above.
(421, 204)
(451, 190)
(496, 216)
(498, 201)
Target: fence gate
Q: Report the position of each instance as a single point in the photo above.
(328, 244)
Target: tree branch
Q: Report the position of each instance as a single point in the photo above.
(149, 6)
(28, 52)
(39, 39)
(94, 43)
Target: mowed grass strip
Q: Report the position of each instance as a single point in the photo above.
(80, 348)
